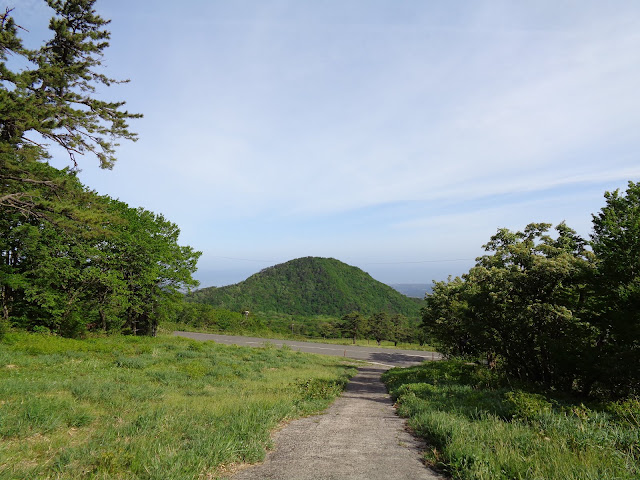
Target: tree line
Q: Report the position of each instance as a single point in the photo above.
(378, 326)
(557, 310)
(122, 270)
(71, 259)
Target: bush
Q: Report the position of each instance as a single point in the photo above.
(526, 406)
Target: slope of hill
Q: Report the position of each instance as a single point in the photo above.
(310, 286)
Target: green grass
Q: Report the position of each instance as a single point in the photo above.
(478, 430)
(148, 408)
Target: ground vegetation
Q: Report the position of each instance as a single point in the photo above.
(149, 408)
(480, 427)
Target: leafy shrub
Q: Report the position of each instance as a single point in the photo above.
(627, 411)
(41, 329)
(526, 406)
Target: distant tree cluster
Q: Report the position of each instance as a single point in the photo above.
(558, 311)
(201, 315)
(380, 326)
(71, 259)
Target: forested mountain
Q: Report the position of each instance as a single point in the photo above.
(310, 286)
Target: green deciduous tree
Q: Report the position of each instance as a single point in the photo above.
(521, 306)
(354, 325)
(154, 266)
(381, 327)
(616, 244)
(401, 329)
(447, 321)
(47, 263)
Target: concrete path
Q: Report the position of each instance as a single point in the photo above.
(388, 357)
(358, 438)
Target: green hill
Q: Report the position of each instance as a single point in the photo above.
(309, 286)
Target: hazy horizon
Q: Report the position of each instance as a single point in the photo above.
(208, 279)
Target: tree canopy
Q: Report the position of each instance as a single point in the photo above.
(72, 259)
(616, 311)
(51, 99)
(556, 311)
(47, 96)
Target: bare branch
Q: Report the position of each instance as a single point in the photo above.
(11, 196)
(48, 183)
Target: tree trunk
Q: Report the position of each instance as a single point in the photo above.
(103, 320)
(134, 325)
(5, 303)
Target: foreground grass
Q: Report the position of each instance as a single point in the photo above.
(481, 432)
(148, 408)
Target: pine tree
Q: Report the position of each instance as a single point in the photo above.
(52, 101)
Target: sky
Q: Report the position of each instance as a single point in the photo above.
(393, 136)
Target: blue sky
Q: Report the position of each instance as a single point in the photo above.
(394, 136)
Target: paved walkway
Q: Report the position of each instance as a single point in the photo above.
(358, 438)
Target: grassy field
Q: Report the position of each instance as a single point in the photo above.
(477, 430)
(148, 408)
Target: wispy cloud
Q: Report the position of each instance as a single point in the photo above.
(283, 120)
(497, 112)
